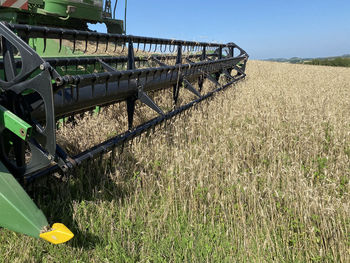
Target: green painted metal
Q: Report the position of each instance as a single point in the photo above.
(114, 26)
(15, 124)
(17, 211)
(85, 9)
(63, 13)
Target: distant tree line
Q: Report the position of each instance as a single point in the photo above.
(335, 62)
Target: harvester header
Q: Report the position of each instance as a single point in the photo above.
(65, 75)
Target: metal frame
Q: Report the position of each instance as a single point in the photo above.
(36, 91)
(61, 95)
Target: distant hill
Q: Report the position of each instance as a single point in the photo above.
(288, 60)
(336, 61)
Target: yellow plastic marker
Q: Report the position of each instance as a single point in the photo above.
(58, 234)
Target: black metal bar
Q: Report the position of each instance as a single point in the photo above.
(85, 61)
(158, 62)
(132, 74)
(10, 74)
(131, 56)
(130, 107)
(204, 53)
(131, 99)
(220, 53)
(9, 61)
(231, 52)
(30, 31)
(176, 86)
(190, 88)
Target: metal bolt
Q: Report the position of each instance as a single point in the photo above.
(22, 132)
(42, 66)
(64, 168)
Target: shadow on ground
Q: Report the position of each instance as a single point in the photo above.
(95, 180)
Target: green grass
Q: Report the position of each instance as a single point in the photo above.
(334, 62)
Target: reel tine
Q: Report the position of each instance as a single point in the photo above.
(112, 155)
(122, 147)
(60, 42)
(74, 40)
(60, 45)
(86, 44)
(97, 42)
(107, 40)
(123, 46)
(44, 49)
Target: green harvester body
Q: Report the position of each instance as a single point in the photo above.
(63, 13)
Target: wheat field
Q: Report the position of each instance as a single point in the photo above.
(258, 174)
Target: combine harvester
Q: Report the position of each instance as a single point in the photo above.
(47, 75)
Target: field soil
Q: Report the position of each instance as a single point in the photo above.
(260, 173)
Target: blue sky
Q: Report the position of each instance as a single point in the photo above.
(264, 28)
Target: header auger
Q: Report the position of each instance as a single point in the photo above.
(36, 91)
